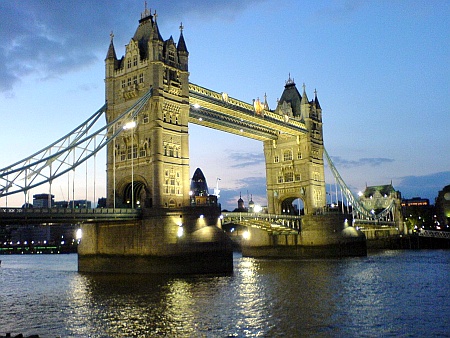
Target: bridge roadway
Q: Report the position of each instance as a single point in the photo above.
(272, 223)
(9, 216)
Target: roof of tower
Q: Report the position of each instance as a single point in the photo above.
(292, 96)
(316, 100)
(111, 50)
(181, 46)
(146, 31)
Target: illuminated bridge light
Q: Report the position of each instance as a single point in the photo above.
(196, 105)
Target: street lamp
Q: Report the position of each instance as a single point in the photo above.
(131, 125)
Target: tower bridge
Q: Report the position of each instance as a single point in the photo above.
(149, 105)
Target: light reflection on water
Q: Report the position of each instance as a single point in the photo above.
(397, 293)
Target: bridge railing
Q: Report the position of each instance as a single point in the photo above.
(434, 233)
(68, 211)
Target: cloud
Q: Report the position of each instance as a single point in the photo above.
(426, 186)
(243, 160)
(365, 161)
(48, 38)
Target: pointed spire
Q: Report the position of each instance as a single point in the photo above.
(156, 34)
(181, 46)
(111, 51)
(146, 13)
(304, 96)
(266, 105)
(316, 100)
(290, 81)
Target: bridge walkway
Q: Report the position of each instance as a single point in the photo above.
(9, 216)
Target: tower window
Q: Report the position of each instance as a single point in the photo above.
(123, 83)
(129, 81)
(141, 78)
(135, 61)
(135, 79)
(129, 63)
(145, 119)
(287, 155)
(289, 177)
(276, 159)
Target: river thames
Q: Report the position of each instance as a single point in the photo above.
(387, 294)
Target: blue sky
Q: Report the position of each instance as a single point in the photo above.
(381, 70)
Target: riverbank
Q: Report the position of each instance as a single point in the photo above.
(413, 242)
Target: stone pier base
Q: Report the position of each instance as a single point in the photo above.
(322, 236)
(185, 241)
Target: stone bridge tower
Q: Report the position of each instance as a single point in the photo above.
(294, 164)
(148, 165)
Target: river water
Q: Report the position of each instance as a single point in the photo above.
(387, 294)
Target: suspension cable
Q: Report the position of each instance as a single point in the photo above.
(34, 170)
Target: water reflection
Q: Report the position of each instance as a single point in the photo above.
(392, 294)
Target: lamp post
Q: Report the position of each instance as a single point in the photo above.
(131, 125)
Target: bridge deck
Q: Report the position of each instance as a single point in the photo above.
(65, 215)
(272, 223)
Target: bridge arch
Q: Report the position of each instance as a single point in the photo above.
(293, 205)
(138, 191)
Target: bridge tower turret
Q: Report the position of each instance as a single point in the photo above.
(148, 165)
(294, 164)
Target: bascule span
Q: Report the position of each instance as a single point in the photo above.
(287, 236)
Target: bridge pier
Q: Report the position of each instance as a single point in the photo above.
(321, 236)
(172, 241)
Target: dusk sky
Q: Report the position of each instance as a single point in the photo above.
(381, 70)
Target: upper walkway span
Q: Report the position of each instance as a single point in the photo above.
(219, 111)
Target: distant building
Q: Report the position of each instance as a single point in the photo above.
(75, 204)
(443, 208)
(101, 203)
(43, 201)
(418, 213)
(241, 206)
(199, 194)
